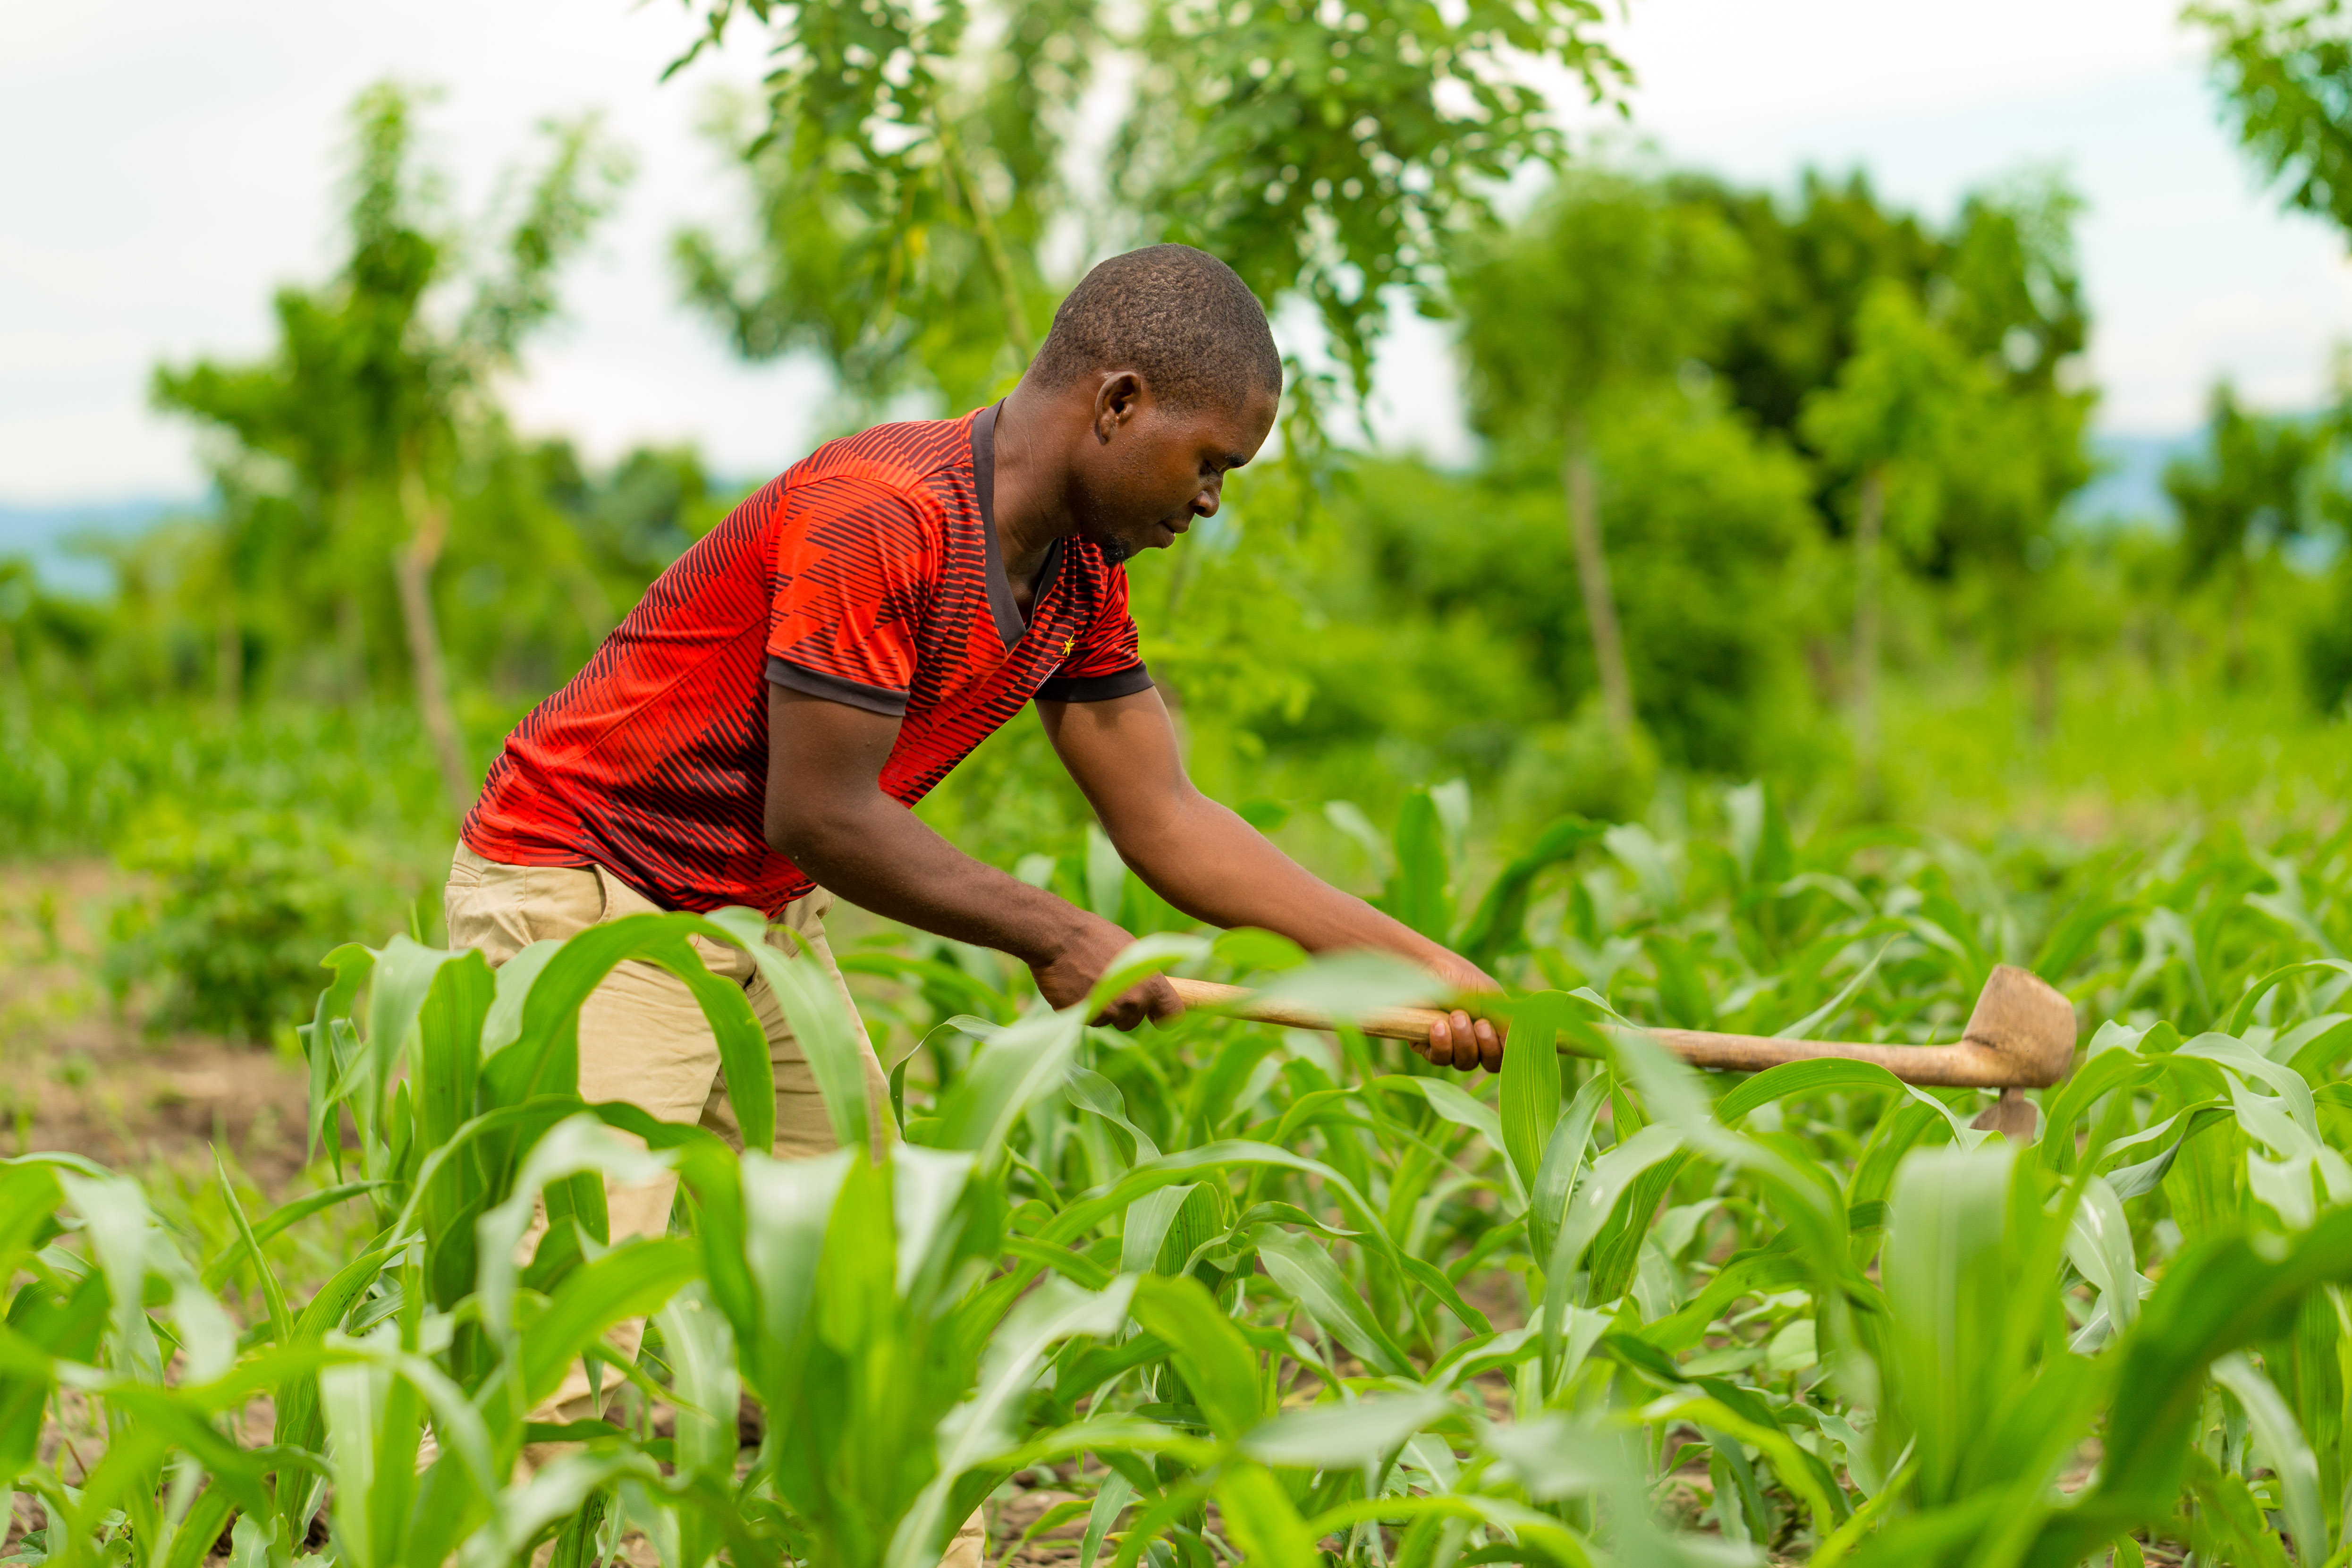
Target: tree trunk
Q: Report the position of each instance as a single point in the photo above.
(351, 646)
(1000, 263)
(1869, 523)
(1592, 577)
(228, 663)
(2045, 688)
(428, 525)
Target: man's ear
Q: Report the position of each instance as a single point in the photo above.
(1118, 398)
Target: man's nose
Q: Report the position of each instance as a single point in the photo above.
(1205, 503)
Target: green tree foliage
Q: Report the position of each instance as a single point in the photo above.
(1454, 633)
(2284, 68)
(2001, 283)
(2262, 487)
(2260, 484)
(344, 443)
(1806, 266)
(1608, 287)
(910, 183)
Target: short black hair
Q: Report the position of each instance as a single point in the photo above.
(1179, 315)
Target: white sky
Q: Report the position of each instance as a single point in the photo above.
(162, 166)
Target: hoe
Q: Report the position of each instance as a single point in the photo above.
(2020, 1036)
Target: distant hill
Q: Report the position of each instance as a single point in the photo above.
(2132, 487)
(43, 534)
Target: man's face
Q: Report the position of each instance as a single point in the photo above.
(1152, 467)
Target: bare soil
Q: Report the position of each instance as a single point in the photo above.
(81, 1072)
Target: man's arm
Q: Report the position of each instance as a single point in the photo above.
(827, 814)
(1216, 867)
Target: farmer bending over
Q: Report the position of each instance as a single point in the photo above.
(756, 729)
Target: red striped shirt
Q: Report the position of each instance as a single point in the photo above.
(867, 573)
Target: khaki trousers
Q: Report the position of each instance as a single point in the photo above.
(643, 1039)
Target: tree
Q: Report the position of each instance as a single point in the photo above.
(2003, 285)
(2259, 484)
(344, 441)
(1958, 455)
(1607, 287)
(1902, 416)
(1808, 267)
(910, 180)
(2284, 68)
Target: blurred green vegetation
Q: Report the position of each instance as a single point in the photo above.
(1828, 447)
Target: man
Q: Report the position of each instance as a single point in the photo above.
(756, 729)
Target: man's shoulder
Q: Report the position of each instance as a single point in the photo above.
(910, 457)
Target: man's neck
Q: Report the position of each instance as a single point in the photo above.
(1030, 500)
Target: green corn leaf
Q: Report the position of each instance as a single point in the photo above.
(1008, 1074)
(1116, 1493)
(630, 1281)
(744, 1062)
(1563, 1157)
(1499, 926)
(1216, 1362)
(1306, 1273)
(1418, 892)
(1338, 1434)
(503, 1027)
(2242, 1016)
(542, 1057)
(1531, 1079)
(1089, 1091)
(787, 1205)
(700, 1348)
(273, 1294)
(556, 1491)
(1264, 1521)
(926, 1186)
(1948, 1290)
(2283, 1446)
(2099, 1242)
(374, 1425)
(194, 1536)
(826, 1026)
(977, 1429)
(578, 1144)
(1140, 960)
(405, 974)
(1802, 1029)
(1450, 1101)
(2073, 936)
(351, 964)
(1148, 1222)
(277, 1220)
(1347, 984)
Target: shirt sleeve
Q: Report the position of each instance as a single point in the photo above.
(854, 565)
(1105, 660)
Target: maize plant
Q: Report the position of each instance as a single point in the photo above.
(1239, 1294)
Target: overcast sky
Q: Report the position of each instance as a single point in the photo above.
(163, 165)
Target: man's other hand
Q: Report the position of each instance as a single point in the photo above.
(1092, 944)
(1458, 1039)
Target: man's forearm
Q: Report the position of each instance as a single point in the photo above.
(1216, 867)
(884, 859)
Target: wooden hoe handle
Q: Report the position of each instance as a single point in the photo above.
(2021, 1035)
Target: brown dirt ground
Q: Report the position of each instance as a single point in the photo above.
(79, 1072)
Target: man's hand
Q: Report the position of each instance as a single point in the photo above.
(1458, 1039)
(1065, 978)
(826, 811)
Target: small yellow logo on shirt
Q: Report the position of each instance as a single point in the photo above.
(1067, 644)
